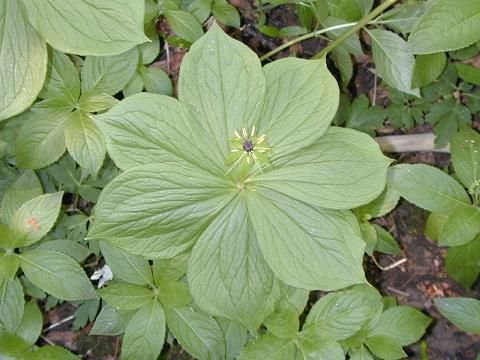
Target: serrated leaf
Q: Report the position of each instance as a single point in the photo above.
(41, 140)
(327, 252)
(35, 218)
(25, 188)
(31, 325)
(197, 332)
(269, 347)
(428, 68)
(144, 334)
(23, 60)
(85, 142)
(12, 304)
(342, 314)
(227, 274)
(48, 270)
(405, 325)
(463, 262)
(465, 148)
(341, 170)
(62, 78)
(85, 28)
(108, 74)
(149, 219)
(126, 296)
(184, 25)
(393, 61)
(428, 187)
(229, 77)
(463, 312)
(293, 119)
(385, 347)
(111, 322)
(125, 266)
(446, 26)
(461, 227)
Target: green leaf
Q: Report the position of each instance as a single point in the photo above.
(326, 252)
(49, 353)
(461, 227)
(184, 25)
(269, 347)
(108, 74)
(446, 26)
(139, 131)
(67, 247)
(284, 322)
(111, 322)
(319, 346)
(125, 266)
(369, 235)
(342, 170)
(428, 68)
(344, 64)
(9, 265)
(463, 312)
(385, 347)
(144, 335)
(300, 104)
(48, 270)
(465, 148)
(468, 73)
(197, 332)
(229, 77)
(363, 117)
(170, 269)
(149, 51)
(12, 346)
(381, 206)
(12, 304)
(23, 60)
(92, 102)
(385, 242)
(174, 294)
(360, 353)
(403, 18)
(25, 188)
(85, 142)
(435, 223)
(41, 139)
(393, 61)
(126, 296)
(405, 325)
(200, 9)
(85, 28)
(62, 78)
(134, 86)
(149, 218)
(227, 274)
(346, 9)
(225, 13)
(463, 262)
(235, 337)
(156, 81)
(31, 325)
(448, 116)
(342, 314)
(35, 218)
(428, 187)
(351, 44)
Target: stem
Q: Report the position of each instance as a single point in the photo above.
(364, 21)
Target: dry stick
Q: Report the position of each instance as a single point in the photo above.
(409, 143)
(388, 267)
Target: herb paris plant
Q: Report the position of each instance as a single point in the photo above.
(263, 221)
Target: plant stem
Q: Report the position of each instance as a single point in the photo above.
(364, 21)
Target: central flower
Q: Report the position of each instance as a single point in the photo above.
(184, 160)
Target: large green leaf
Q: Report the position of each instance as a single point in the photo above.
(108, 74)
(144, 335)
(85, 27)
(23, 60)
(463, 262)
(49, 353)
(85, 142)
(342, 314)
(155, 129)
(25, 188)
(184, 24)
(158, 210)
(461, 227)
(428, 68)
(269, 347)
(49, 270)
(393, 60)
(385, 347)
(126, 296)
(463, 312)
(351, 44)
(301, 101)
(111, 322)
(342, 170)
(197, 332)
(227, 274)
(31, 325)
(446, 25)
(310, 248)
(428, 187)
(62, 78)
(35, 218)
(12, 304)
(41, 139)
(465, 147)
(222, 81)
